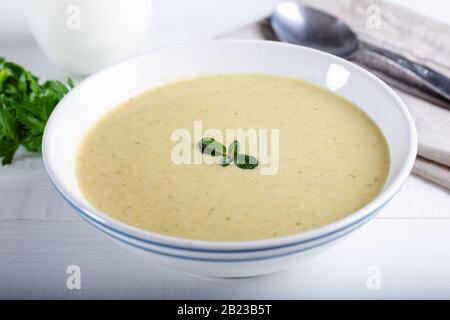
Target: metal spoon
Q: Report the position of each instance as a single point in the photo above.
(295, 23)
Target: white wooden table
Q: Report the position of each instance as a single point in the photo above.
(403, 253)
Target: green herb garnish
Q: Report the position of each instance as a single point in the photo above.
(212, 147)
(226, 161)
(233, 149)
(25, 106)
(244, 161)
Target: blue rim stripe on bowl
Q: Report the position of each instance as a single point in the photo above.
(94, 222)
(215, 260)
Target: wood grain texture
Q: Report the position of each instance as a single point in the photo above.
(26, 193)
(410, 254)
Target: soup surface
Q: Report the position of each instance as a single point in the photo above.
(333, 159)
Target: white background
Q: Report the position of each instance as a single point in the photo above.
(40, 235)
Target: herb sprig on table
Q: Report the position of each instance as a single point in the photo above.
(212, 147)
(25, 106)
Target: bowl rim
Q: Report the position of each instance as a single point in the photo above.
(234, 246)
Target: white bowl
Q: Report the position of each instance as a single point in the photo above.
(103, 91)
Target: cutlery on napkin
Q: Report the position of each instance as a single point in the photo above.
(416, 37)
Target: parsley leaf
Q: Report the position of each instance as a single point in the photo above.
(212, 147)
(25, 106)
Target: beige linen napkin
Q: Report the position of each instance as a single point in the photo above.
(416, 37)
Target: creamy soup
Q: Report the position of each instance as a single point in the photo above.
(332, 160)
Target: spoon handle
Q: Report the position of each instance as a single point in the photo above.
(403, 71)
